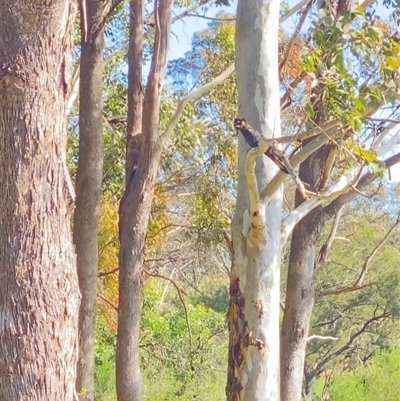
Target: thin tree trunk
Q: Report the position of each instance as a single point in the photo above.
(253, 317)
(300, 285)
(88, 186)
(39, 296)
(144, 147)
(134, 219)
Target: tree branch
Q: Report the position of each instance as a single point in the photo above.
(323, 253)
(178, 290)
(359, 283)
(304, 153)
(254, 219)
(102, 274)
(321, 338)
(192, 96)
(343, 185)
(330, 210)
(321, 364)
(295, 33)
(109, 303)
(293, 10)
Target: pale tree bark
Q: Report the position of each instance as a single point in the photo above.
(253, 317)
(88, 185)
(39, 295)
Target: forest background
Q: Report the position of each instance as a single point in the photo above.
(189, 256)
(185, 296)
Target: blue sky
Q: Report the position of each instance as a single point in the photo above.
(184, 29)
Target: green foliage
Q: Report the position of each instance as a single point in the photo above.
(105, 347)
(186, 366)
(342, 315)
(378, 381)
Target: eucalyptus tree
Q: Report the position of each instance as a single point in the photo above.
(88, 183)
(336, 111)
(144, 146)
(39, 294)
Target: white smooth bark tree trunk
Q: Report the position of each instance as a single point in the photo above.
(253, 371)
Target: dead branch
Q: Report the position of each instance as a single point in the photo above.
(178, 290)
(370, 196)
(296, 33)
(108, 302)
(323, 253)
(321, 338)
(293, 10)
(359, 283)
(371, 257)
(104, 247)
(102, 274)
(318, 368)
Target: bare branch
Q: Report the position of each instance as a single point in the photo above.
(343, 290)
(178, 290)
(192, 96)
(305, 152)
(295, 33)
(210, 18)
(321, 338)
(342, 349)
(109, 303)
(102, 274)
(112, 7)
(384, 120)
(103, 248)
(359, 283)
(323, 253)
(342, 186)
(371, 257)
(368, 196)
(293, 10)
(330, 210)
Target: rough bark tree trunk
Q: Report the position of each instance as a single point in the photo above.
(39, 296)
(299, 302)
(144, 146)
(253, 317)
(88, 186)
(300, 285)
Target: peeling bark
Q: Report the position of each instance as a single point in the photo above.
(253, 361)
(39, 297)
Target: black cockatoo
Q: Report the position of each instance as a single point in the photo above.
(252, 137)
